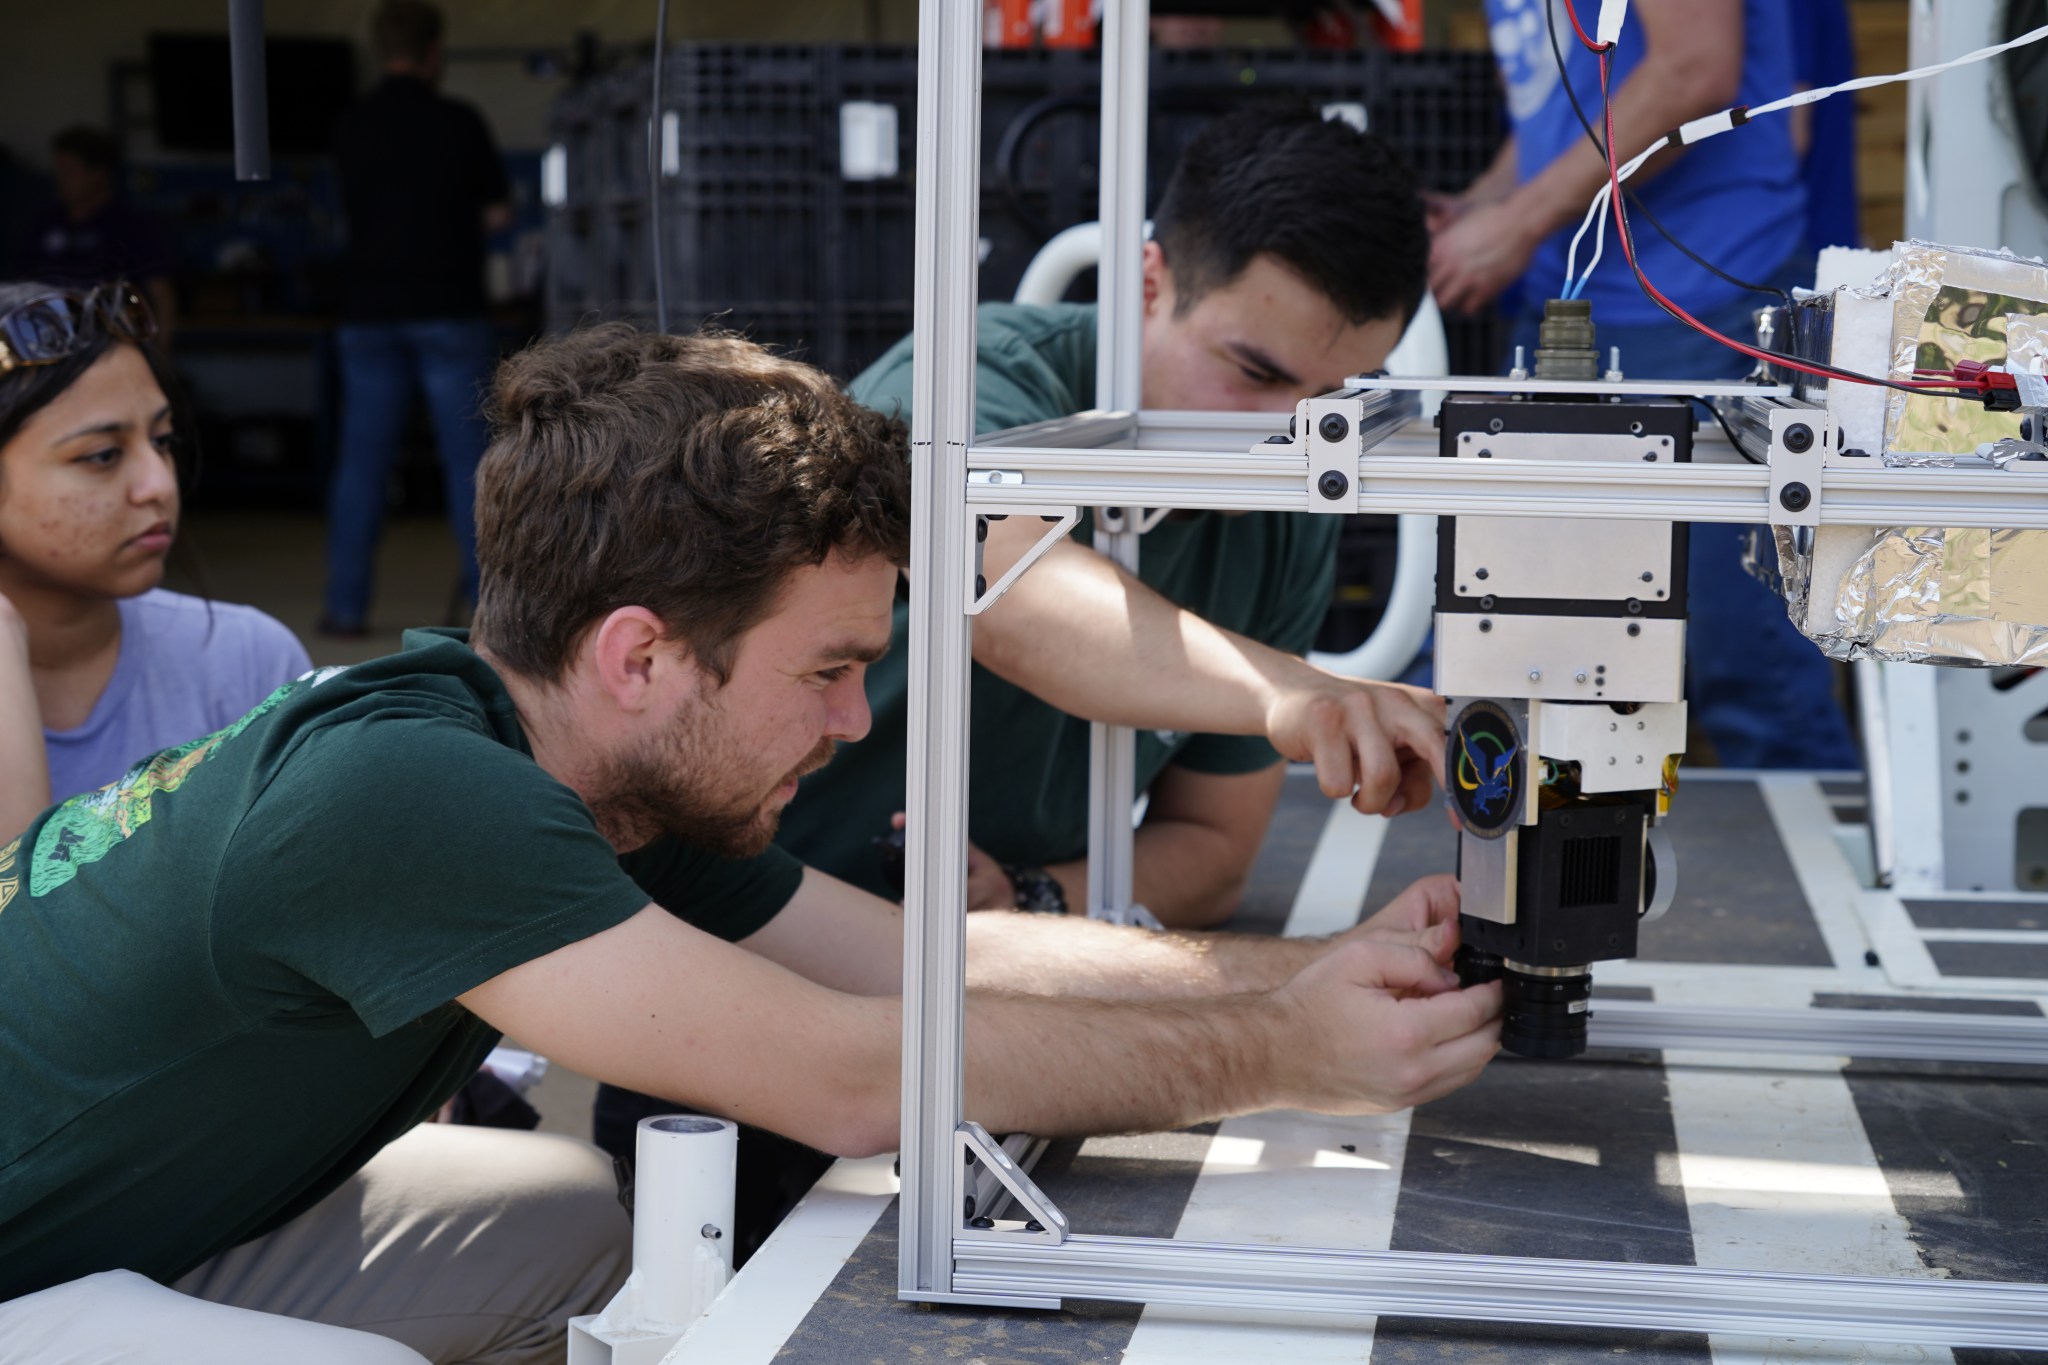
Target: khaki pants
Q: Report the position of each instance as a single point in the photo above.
(453, 1244)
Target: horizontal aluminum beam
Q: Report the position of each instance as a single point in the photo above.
(1423, 483)
(1504, 1289)
(1898, 1035)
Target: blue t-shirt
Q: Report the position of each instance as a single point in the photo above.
(1736, 199)
(187, 668)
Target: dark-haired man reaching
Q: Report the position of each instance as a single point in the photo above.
(1288, 254)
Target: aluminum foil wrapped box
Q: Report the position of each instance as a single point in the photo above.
(1929, 594)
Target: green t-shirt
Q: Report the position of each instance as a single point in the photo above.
(228, 979)
(1267, 575)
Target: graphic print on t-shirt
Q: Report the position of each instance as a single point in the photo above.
(87, 827)
(10, 880)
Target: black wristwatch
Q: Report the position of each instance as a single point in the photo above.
(1037, 890)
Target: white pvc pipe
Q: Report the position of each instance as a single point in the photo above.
(1422, 350)
(682, 1242)
(682, 1214)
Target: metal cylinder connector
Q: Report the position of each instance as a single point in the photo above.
(1564, 341)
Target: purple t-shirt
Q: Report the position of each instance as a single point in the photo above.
(187, 668)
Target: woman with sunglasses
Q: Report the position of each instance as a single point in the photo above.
(100, 667)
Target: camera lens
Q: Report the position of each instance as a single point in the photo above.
(1545, 1010)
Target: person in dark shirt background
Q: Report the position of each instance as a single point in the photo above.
(423, 185)
(91, 235)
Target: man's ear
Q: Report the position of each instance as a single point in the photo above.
(634, 660)
(1158, 280)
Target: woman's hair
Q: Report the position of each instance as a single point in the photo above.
(27, 389)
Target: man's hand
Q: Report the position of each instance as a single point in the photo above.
(1374, 1026)
(1480, 252)
(1424, 916)
(1376, 743)
(988, 886)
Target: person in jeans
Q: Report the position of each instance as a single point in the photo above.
(423, 185)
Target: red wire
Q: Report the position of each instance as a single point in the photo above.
(1656, 295)
(1573, 14)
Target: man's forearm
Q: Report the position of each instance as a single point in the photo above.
(1665, 90)
(1075, 1067)
(1149, 663)
(1075, 957)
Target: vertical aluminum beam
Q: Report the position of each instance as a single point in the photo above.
(1112, 751)
(942, 541)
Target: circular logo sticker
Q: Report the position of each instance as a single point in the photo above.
(1483, 758)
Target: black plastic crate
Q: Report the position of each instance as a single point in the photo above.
(763, 228)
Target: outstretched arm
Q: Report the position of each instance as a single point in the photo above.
(24, 768)
(841, 937)
(660, 1007)
(1083, 634)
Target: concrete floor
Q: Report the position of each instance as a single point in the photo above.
(273, 561)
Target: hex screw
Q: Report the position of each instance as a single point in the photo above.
(1485, 626)
(1579, 676)
(1635, 606)
(1799, 438)
(980, 585)
(981, 1222)
(1033, 1225)
(1794, 497)
(1486, 604)
(980, 529)
(1479, 573)
(1649, 577)
(1496, 425)
(710, 1232)
(1333, 427)
(1536, 675)
(1333, 485)
(1634, 629)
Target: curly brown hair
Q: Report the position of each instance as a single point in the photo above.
(686, 474)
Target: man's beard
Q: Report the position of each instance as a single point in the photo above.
(682, 784)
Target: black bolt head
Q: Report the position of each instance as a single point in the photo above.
(1333, 427)
(981, 1222)
(1333, 485)
(1794, 497)
(1485, 626)
(1798, 438)
(1635, 606)
(1634, 629)
(980, 584)
(980, 529)
(1479, 573)
(1486, 603)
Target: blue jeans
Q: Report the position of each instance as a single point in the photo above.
(1761, 691)
(450, 359)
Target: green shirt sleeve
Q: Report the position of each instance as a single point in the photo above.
(726, 897)
(401, 859)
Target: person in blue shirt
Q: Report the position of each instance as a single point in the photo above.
(1761, 693)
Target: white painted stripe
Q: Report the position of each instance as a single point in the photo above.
(1273, 1179)
(1778, 1173)
(1332, 890)
(2024, 937)
(1806, 828)
(766, 1302)
(1280, 1176)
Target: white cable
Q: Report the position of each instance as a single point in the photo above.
(1866, 82)
(1700, 129)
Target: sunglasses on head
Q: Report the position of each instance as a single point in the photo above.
(52, 326)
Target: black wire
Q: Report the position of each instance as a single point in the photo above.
(1733, 439)
(1635, 201)
(654, 128)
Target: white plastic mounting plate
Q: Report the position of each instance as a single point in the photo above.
(1543, 657)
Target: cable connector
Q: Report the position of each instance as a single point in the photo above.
(1996, 388)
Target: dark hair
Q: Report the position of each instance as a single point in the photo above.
(685, 474)
(96, 147)
(1335, 204)
(404, 30)
(28, 389)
